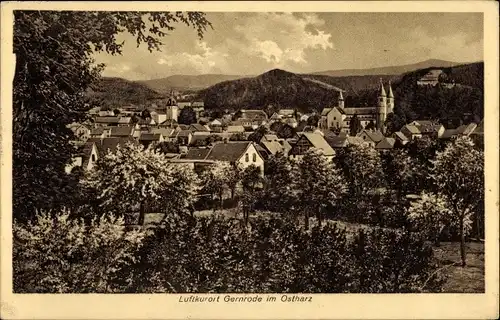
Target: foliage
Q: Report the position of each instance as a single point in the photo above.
(319, 184)
(251, 181)
(239, 136)
(459, 174)
(217, 179)
(355, 126)
(401, 172)
(257, 135)
(279, 192)
(167, 147)
(54, 69)
(187, 116)
(207, 255)
(431, 214)
(283, 130)
(56, 254)
(133, 176)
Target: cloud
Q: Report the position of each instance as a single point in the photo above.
(205, 60)
(281, 38)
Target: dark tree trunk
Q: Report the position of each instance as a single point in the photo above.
(462, 242)
(142, 214)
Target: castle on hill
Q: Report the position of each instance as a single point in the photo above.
(339, 117)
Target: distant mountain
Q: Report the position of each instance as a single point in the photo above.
(198, 82)
(276, 87)
(187, 82)
(391, 70)
(115, 92)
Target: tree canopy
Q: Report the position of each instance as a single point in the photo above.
(54, 68)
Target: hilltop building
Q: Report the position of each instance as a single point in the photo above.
(340, 117)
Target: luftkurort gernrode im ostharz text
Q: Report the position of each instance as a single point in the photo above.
(250, 299)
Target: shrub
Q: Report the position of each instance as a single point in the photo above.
(57, 254)
(215, 254)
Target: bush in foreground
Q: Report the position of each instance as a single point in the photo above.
(216, 254)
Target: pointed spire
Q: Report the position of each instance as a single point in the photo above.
(382, 90)
(391, 95)
(341, 97)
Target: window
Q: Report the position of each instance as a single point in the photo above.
(254, 157)
(334, 118)
(93, 158)
(246, 157)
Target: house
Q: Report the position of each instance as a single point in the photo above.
(292, 122)
(199, 138)
(168, 134)
(147, 138)
(273, 147)
(122, 131)
(386, 143)
(124, 121)
(337, 141)
(106, 121)
(466, 129)
(196, 127)
(159, 116)
(400, 138)
(86, 158)
(94, 111)
(371, 137)
(110, 144)
(242, 153)
(307, 141)
(235, 129)
(81, 132)
(286, 113)
(100, 132)
(428, 128)
(411, 132)
(146, 122)
(184, 137)
(356, 141)
(106, 113)
(254, 115)
(431, 78)
(197, 153)
(216, 123)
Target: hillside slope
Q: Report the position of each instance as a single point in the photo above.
(115, 92)
(276, 87)
(390, 70)
(187, 82)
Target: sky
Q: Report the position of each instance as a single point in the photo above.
(252, 43)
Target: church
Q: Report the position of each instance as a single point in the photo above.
(340, 117)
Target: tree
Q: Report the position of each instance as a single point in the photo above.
(251, 179)
(313, 120)
(56, 254)
(279, 183)
(431, 214)
(370, 125)
(54, 69)
(362, 168)
(215, 180)
(116, 112)
(145, 114)
(257, 135)
(400, 172)
(133, 176)
(459, 173)
(239, 136)
(167, 147)
(187, 116)
(355, 126)
(319, 184)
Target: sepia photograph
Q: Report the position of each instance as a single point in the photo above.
(272, 154)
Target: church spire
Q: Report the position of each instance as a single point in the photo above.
(391, 95)
(382, 90)
(341, 99)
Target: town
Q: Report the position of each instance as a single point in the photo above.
(247, 137)
(271, 154)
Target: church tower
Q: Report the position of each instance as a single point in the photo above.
(381, 107)
(390, 100)
(172, 110)
(341, 100)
